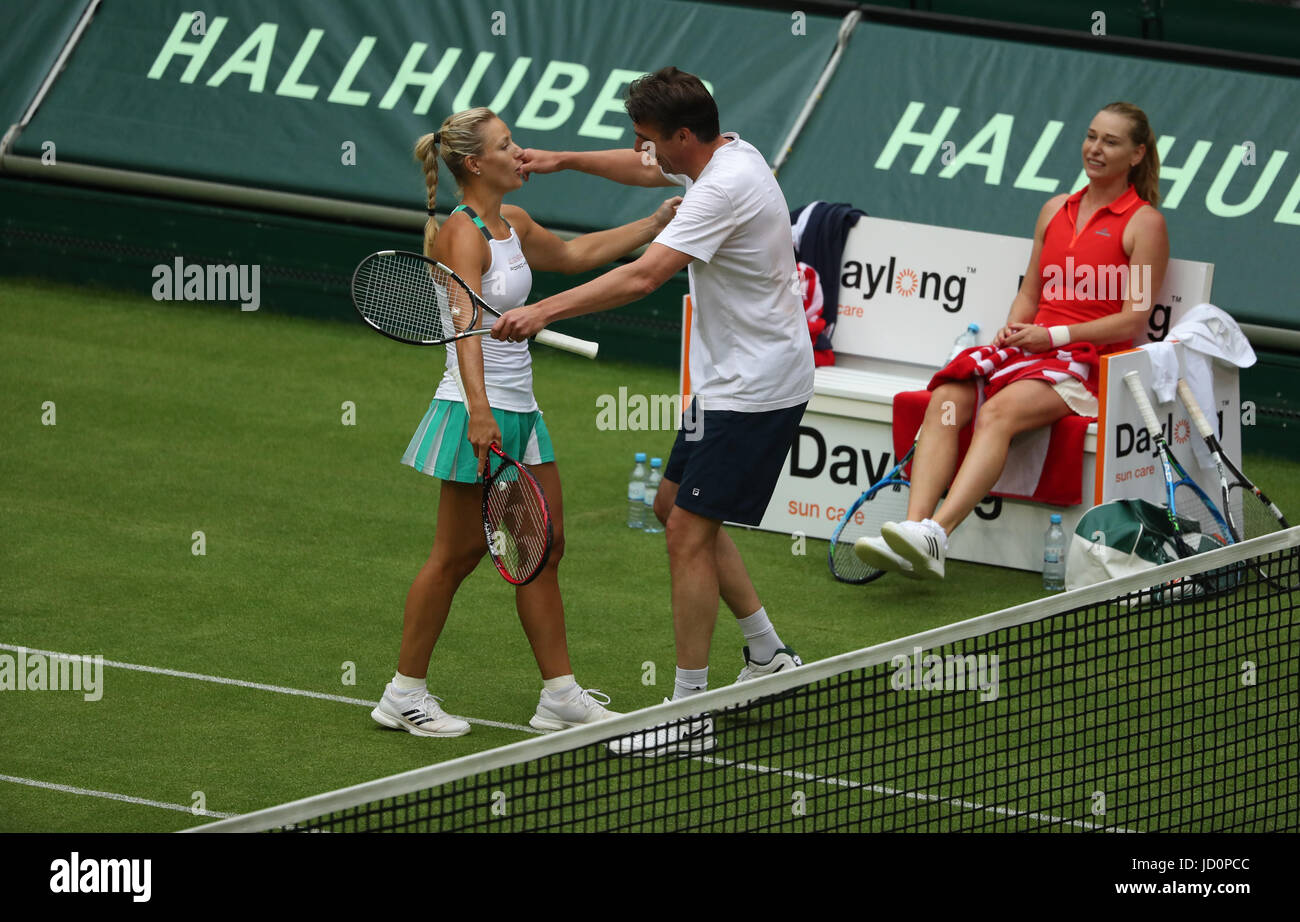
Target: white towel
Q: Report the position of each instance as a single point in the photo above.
(801, 225)
(1207, 333)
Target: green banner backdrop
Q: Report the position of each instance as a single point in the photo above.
(31, 37)
(977, 133)
(327, 98)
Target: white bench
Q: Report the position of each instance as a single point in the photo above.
(907, 291)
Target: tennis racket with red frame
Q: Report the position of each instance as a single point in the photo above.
(516, 518)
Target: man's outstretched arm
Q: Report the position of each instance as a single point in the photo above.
(623, 165)
(615, 288)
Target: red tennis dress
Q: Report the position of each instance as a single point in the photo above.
(1084, 273)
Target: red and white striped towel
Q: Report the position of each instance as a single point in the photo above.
(997, 368)
(1044, 465)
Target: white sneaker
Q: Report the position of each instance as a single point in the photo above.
(875, 553)
(576, 706)
(686, 736)
(418, 714)
(924, 544)
(785, 658)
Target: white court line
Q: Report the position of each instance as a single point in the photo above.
(279, 689)
(86, 792)
(893, 792)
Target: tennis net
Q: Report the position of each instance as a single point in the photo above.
(1127, 706)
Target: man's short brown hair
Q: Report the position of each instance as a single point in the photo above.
(672, 99)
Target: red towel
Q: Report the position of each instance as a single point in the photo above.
(1059, 468)
(811, 292)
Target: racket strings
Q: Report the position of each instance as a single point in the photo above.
(517, 523)
(1191, 506)
(413, 299)
(1256, 517)
(887, 504)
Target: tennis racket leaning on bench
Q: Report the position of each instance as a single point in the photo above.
(1255, 513)
(421, 302)
(884, 501)
(1191, 511)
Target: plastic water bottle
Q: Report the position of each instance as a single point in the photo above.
(1054, 556)
(652, 524)
(636, 493)
(968, 337)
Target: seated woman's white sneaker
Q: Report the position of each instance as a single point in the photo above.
(923, 544)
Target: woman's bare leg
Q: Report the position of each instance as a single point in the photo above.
(458, 545)
(1017, 408)
(540, 607)
(951, 408)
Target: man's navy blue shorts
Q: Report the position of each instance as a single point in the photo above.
(726, 463)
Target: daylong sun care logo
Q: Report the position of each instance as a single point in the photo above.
(888, 278)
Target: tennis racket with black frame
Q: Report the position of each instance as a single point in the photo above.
(1256, 514)
(884, 501)
(419, 301)
(1190, 510)
(1259, 515)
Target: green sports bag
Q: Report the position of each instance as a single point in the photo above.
(1120, 538)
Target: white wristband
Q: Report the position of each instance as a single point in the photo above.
(1060, 335)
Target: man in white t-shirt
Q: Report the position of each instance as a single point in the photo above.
(751, 365)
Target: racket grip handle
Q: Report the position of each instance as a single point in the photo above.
(1194, 410)
(1134, 382)
(583, 347)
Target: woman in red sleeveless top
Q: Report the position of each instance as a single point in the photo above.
(1099, 257)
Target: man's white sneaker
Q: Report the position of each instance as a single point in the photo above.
(784, 658)
(417, 714)
(687, 736)
(923, 544)
(874, 552)
(578, 706)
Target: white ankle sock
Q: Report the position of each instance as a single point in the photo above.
(559, 685)
(761, 636)
(690, 682)
(407, 685)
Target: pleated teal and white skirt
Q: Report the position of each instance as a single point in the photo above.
(440, 447)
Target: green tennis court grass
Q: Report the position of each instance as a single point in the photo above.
(175, 419)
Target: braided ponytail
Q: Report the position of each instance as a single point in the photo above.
(458, 137)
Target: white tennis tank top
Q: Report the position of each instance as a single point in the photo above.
(507, 367)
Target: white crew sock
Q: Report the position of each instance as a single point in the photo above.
(559, 685)
(690, 682)
(761, 636)
(407, 685)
